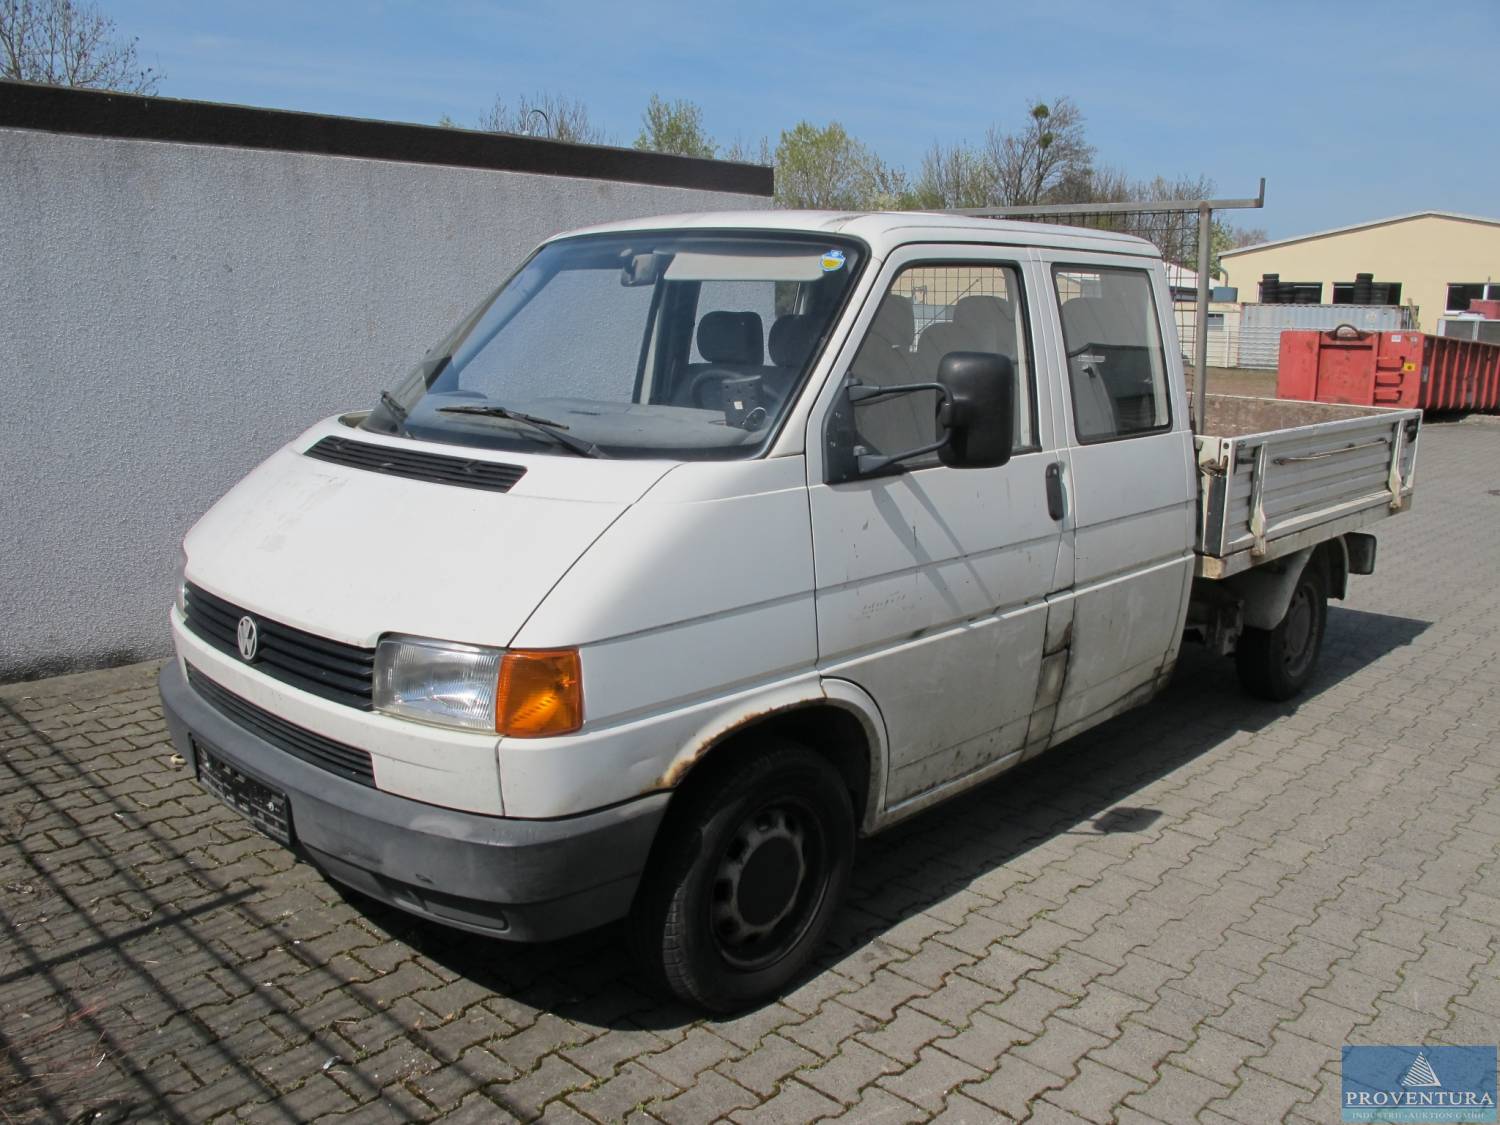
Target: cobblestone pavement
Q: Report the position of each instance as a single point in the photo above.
(1181, 916)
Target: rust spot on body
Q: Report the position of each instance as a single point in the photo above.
(685, 762)
(1065, 642)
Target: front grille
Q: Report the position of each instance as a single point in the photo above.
(345, 761)
(464, 471)
(330, 669)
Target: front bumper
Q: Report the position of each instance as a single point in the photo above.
(521, 880)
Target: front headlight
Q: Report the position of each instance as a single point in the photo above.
(436, 682)
(518, 693)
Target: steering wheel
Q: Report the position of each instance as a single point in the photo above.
(702, 379)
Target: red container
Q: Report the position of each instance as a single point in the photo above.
(1389, 369)
(1490, 310)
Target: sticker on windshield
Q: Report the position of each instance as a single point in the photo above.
(833, 260)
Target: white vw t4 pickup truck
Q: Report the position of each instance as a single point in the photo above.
(708, 544)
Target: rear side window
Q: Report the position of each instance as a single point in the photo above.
(1117, 369)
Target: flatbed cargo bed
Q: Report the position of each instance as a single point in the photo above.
(1276, 476)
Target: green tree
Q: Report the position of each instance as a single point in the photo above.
(64, 43)
(824, 168)
(1227, 236)
(675, 127)
(545, 115)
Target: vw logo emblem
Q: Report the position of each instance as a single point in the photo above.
(248, 638)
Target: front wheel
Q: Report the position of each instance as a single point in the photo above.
(745, 878)
(1277, 663)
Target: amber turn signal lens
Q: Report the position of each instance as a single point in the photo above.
(540, 693)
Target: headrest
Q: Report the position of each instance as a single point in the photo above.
(792, 339)
(731, 337)
(985, 323)
(1099, 321)
(894, 321)
(982, 312)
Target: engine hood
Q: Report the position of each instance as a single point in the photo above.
(349, 553)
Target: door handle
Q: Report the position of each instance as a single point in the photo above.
(1057, 498)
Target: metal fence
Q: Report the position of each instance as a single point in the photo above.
(1249, 336)
(1261, 326)
(1223, 335)
(935, 291)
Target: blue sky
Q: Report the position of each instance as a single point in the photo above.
(1351, 111)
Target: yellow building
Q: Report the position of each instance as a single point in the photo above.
(1439, 259)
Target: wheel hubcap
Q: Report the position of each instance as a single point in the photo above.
(761, 887)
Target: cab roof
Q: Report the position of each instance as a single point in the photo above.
(883, 231)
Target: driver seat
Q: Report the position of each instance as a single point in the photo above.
(733, 340)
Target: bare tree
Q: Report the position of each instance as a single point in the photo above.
(1244, 236)
(954, 176)
(744, 152)
(1103, 184)
(63, 43)
(1028, 166)
(884, 186)
(545, 115)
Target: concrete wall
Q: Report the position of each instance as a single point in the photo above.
(1425, 254)
(172, 313)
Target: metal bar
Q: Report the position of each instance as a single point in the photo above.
(1258, 503)
(1200, 344)
(1136, 207)
(1396, 481)
(1327, 453)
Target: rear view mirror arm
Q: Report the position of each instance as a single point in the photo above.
(867, 392)
(874, 462)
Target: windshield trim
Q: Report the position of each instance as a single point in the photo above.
(835, 317)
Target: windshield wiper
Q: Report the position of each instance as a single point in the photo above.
(393, 405)
(397, 412)
(555, 431)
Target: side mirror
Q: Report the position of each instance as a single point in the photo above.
(978, 409)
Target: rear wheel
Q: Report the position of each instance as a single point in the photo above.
(745, 878)
(1277, 663)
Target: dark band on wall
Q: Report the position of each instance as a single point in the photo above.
(58, 109)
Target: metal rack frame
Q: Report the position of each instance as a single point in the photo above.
(1204, 208)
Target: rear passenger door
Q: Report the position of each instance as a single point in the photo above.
(1131, 485)
(932, 582)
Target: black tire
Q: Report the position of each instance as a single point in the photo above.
(1277, 663)
(745, 877)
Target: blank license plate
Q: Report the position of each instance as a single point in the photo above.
(261, 805)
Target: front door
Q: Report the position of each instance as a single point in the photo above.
(932, 582)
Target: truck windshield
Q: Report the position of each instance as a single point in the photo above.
(652, 344)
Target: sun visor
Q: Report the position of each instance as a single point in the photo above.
(793, 266)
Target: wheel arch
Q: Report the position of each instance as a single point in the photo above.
(1333, 557)
(843, 725)
(1265, 591)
